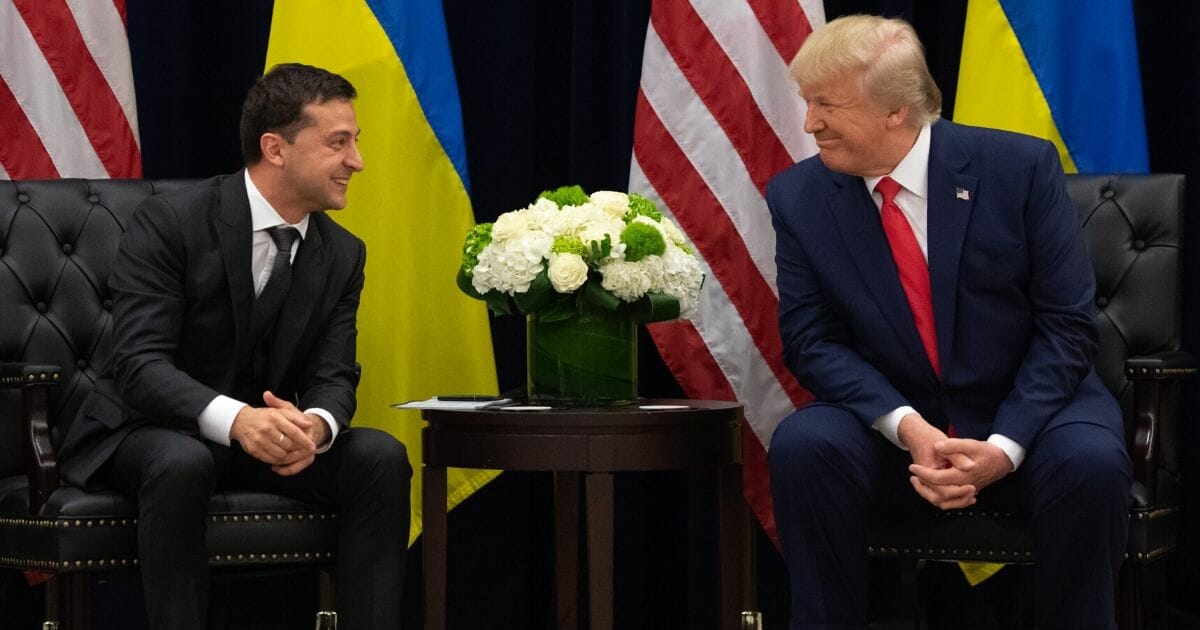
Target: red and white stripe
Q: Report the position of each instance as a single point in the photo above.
(67, 104)
(717, 116)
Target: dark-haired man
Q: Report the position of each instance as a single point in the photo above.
(233, 360)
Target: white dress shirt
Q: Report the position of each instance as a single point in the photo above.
(912, 173)
(217, 418)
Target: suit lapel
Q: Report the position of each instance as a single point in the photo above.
(308, 276)
(951, 198)
(858, 222)
(233, 237)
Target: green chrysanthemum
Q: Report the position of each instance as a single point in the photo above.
(565, 196)
(478, 238)
(642, 240)
(641, 206)
(568, 245)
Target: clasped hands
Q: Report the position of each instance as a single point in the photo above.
(949, 472)
(279, 434)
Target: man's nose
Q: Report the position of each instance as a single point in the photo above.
(812, 120)
(354, 158)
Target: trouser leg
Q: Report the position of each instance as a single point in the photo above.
(171, 476)
(1077, 477)
(367, 476)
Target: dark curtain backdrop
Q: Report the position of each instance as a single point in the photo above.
(547, 91)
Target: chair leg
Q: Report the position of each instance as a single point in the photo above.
(326, 593)
(1141, 596)
(67, 601)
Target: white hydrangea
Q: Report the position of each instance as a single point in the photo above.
(511, 265)
(682, 278)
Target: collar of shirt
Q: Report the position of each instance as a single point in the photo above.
(912, 173)
(263, 216)
(262, 246)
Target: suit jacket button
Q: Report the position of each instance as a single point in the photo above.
(41, 307)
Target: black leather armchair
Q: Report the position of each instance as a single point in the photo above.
(58, 241)
(1132, 225)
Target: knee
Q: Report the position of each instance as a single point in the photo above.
(814, 437)
(1094, 472)
(186, 468)
(380, 455)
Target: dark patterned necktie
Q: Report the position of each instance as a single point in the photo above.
(270, 300)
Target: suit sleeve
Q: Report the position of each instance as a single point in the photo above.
(148, 284)
(815, 339)
(1061, 293)
(331, 372)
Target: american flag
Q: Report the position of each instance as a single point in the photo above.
(717, 115)
(67, 105)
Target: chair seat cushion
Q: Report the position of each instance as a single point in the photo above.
(78, 530)
(1001, 536)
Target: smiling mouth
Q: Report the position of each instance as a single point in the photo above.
(342, 181)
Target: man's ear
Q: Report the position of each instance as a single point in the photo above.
(271, 145)
(897, 117)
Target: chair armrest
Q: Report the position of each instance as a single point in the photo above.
(41, 466)
(1174, 364)
(1149, 375)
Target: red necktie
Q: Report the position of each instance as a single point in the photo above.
(910, 263)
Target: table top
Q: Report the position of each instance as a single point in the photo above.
(644, 412)
(652, 434)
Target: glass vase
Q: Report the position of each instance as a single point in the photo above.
(589, 359)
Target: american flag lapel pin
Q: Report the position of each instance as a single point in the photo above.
(962, 193)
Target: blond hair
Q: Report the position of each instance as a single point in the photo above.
(887, 54)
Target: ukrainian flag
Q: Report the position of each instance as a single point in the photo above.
(1062, 70)
(418, 334)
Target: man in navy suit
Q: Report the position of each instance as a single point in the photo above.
(233, 361)
(982, 388)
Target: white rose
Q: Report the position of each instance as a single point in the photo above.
(616, 204)
(672, 231)
(510, 225)
(567, 272)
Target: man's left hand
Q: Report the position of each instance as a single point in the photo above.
(313, 426)
(991, 464)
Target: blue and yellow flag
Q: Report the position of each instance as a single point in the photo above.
(418, 334)
(1064, 71)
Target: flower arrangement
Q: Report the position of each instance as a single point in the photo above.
(570, 251)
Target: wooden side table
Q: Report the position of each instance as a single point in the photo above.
(587, 445)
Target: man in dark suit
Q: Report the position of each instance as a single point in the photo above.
(233, 360)
(936, 297)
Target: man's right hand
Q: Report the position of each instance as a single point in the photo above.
(920, 437)
(268, 435)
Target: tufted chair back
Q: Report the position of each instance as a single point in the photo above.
(1132, 226)
(58, 243)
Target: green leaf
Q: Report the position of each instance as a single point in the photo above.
(561, 310)
(539, 294)
(598, 296)
(464, 284)
(653, 307)
(601, 249)
(498, 302)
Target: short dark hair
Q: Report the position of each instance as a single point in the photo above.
(275, 103)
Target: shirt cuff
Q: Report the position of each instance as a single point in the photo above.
(217, 419)
(889, 424)
(333, 427)
(1015, 452)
